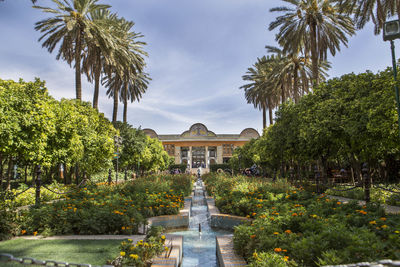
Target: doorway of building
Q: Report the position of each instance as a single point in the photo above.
(198, 157)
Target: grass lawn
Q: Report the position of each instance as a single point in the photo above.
(95, 252)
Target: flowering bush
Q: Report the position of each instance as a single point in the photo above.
(293, 226)
(143, 251)
(104, 209)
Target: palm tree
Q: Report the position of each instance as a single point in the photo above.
(71, 25)
(127, 74)
(134, 91)
(99, 52)
(292, 72)
(314, 27)
(260, 91)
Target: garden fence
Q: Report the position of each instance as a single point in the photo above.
(8, 258)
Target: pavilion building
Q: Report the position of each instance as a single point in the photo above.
(199, 147)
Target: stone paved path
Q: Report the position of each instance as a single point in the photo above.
(388, 208)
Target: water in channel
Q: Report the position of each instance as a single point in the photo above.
(199, 247)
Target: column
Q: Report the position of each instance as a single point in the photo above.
(177, 155)
(219, 154)
(207, 165)
(190, 157)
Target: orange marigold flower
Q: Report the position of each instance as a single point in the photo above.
(383, 219)
(277, 249)
(35, 233)
(384, 226)
(294, 214)
(288, 231)
(372, 222)
(23, 232)
(253, 236)
(286, 258)
(339, 203)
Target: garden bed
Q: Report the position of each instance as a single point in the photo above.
(103, 209)
(293, 227)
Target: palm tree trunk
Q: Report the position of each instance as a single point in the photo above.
(115, 109)
(125, 102)
(314, 55)
(78, 83)
(97, 83)
(271, 120)
(264, 113)
(295, 85)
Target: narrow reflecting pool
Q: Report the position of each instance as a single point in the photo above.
(199, 247)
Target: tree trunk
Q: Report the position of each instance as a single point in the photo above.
(115, 108)
(10, 164)
(283, 94)
(78, 83)
(314, 54)
(264, 113)
(271, 120)
(1, 172)
(97, 74)
(295, 85)
(125, 102)
(26, 173)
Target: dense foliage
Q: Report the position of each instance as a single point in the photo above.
(103, 209)
(139, 151)
(293, 227)
(346, 121)
(37, 129)
(141, 253)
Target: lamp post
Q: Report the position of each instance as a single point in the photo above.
(391, 31)
(118, 143)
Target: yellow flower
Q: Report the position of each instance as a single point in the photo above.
(276, 233)
(383, 219)
(372, 222)
(163, 237)
(122, 253)
(286, 258)
(123, 227)
(35, 233)
(166, 248)
(397, 232)
(74, 209)
(134, 256)
(130, 240)
(255, 255)
(384, 226)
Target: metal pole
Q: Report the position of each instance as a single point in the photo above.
(38, 182)
(395, 82)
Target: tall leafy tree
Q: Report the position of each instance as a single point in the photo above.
(71, 26)
(127, 74)
(260, 91)
(100, 48)
(313, 26)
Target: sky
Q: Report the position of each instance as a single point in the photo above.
(198, 52)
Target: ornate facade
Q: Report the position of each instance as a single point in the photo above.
(199, 147)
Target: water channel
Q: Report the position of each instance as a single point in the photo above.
(199, 248)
